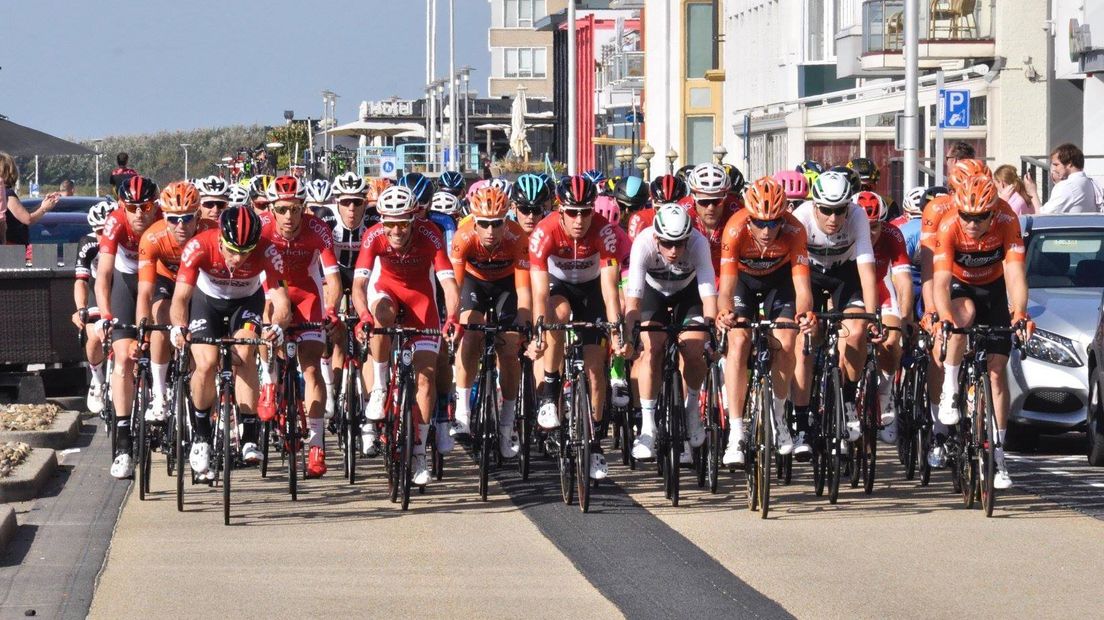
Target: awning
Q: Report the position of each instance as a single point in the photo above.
(375, 128)
(21, 141)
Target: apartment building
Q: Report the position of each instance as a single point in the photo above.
(520, 54)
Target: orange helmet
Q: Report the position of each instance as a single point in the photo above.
(765, 199)
(488, 202)
(976, 195)
(375, 188)
(179, 197)
(965, 169)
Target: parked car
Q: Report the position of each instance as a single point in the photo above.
(67, 223)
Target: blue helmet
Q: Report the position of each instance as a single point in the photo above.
(531, 190)
(419, 186)
(451, 182)
(595, 176)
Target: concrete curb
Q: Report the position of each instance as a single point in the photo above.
(63, 433)
(29, 477)
(8, 526)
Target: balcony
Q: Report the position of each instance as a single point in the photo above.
(950, 30)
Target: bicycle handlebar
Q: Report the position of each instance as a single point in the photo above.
(980, 331)
(495, 329)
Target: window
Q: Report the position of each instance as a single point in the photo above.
(699, 40)
(820, 29)
(524, 13)
(525, 62)
(699, 139)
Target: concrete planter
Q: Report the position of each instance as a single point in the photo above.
(63, 433)
(8, 526)
(28, 478)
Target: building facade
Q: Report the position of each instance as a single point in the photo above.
(520, 54)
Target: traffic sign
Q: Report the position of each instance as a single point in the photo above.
(956, 109)
(389, 164)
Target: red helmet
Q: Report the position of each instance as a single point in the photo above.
(874, 205)
(286, 188)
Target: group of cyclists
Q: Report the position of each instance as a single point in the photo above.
(317, 262)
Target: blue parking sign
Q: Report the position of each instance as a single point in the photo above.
(956, 109)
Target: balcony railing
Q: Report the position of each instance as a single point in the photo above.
(941, 21)
(625, 70)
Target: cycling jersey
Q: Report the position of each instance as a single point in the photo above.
(890, 258)
(159, 252)
(569, 260)
(639, 221)
(850, 243)
(930, 218)
(714, 237)
(119, 238)
(978, 261)
(87, 252)
(301, 256)
(740, 253)
(510, 257)
(445, 223)
(346, 241)
(648, 268)
(203, 266)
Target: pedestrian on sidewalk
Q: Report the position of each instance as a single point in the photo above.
(1011, 188)
(1073, 191)
(20, 220)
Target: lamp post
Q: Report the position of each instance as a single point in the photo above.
(98, 143)
(440, 89)
(185, 147)
(622, 160)
(719, 153)
(465, 77)
(642, 166)
(672, 157)
(647, 152)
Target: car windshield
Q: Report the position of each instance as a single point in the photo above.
(1066, 259)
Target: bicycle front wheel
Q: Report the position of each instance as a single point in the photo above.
(406, 437)
(484, 434)
(180, 411)
(350, 421)
(986, 426)
(525, 413)
(764, 445)
(676, 419)
(581, 413)
(835, 431)
(227, 415)
(138, 432)
(871, 420)
(713, 417)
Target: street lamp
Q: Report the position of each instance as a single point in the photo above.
(647, 153)
(465, 76)
(642, 166)
(672, 157)
(185, 147)
(98, 142)
(623, 156)
(719, 153)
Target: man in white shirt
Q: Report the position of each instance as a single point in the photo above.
(1073, 191)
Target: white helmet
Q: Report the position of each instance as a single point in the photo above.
(212, 187)
(238, 196)
(672, 222)
(912, 201)
(832, 189)
(503, 184)
(349, 184)
(318, 192)
(97, 215)
(709, 179)
(444, 202)
(397, 203)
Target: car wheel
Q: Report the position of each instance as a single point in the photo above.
(1096, 422)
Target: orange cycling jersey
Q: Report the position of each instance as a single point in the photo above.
(510, 256)
(978, 261)
(929, 220)
(741, 253)
(159, 253)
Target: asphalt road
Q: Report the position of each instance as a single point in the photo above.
(905, 551)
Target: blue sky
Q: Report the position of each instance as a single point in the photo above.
(82, 69)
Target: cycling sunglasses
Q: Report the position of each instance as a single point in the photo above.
(767, 224)
(976, 219)
(577, 213)
(829, 212)
(177, 220)
(397, 223)
(350, 202)
(495, 223)
(708, 202)
(530, 210)
(214, 204)
(233, 250)
(283, 209)
(144, 207)
(670, 245)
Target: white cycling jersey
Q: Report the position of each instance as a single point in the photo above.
(647, 267)
(850, 243)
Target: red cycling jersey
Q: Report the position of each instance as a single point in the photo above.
(890, 258)
(640, 220)
(203, 266)
(714, 237)
(574, 261)
(303, 254)
(119, 238)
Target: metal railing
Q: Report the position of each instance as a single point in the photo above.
(626, 69)
(940, 21)
(415, 157)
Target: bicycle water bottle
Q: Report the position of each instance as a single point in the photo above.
(567, 389)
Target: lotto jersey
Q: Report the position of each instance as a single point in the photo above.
(119, 238)
(203, 266)
(570, 260)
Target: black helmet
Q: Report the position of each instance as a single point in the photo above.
(240, 228)
(852, 177)
(932, 192)
(451, 182)
(868, 172)
(137, 190)
(575, 191)
(668, 188)
(685, 171)
(419, 185)
(736, 180)
(631, 193)
(531, 190)
(810, 165)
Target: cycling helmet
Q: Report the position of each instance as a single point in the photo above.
(913, 201)
(318, 191)
(531, 190)
(966, 168)
(795, 184)
(502, 183)
(810, 177)
(349, 184)
(607, 207)
(444, 202)
(97, 215)
(137, 190)
(474, 187)
(684, 172)
(832, 189)
(576, 191)
(595, 176)
(610, 184)
(396, 203)
(736, 180)
(286, 188)
(933, 192)
(179, 197)
(212, 187)
(975, 196)
(240, 228)
(672, 222)
(488, 203)
(258, 187)
(852, 178)
(874, 205)
(451, 182)
(237, 196)
(709, 180)
(810, 165)
(765, 199)
(375, 188)
(668, 188)
(864, 166)
(631, 193)
(421, 188)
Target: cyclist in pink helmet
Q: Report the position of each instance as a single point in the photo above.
(795, 184)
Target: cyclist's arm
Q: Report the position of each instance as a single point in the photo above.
(610, 276)
(447, 277)
(1015, 277)
(902, 281)
(864, 258)
(144, 309)
(281, 306)
(538, 280)
(941, 294)
(104, 273)
(182, 297)
(524, 291)
(799, 270)
(361, 272)
(705, 276)
(147, 275)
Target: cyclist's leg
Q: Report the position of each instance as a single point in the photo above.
(549, 389)
(653, 311)
(889, 360)
(993, 310)
(746, 299)
(384, 310)
(466, 369)
(964, 309)
(687, 309)
(123, 302)
(509, 367)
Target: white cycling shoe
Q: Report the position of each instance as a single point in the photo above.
(122, 467)
(251, 454)
(619, 393)
(801, 448)
(509, 442)
(644, 448)
(854, 431)
(421, 471)
(368, 438)
(888, 433)
(330, 405)
(734, 453)
(1001, 480)
(374, 411)
(598, 468)
(445, 442)
(200, 457)
(547, 416)
(94, 401)
(155, 412)
(783, 439)
(948, 413)
(460, 427)
(695, 430)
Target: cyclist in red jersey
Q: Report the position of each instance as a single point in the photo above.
(574, 275)
(117, 294)
(217, 294)
(304, 244)
(394, 273)
(710, 205)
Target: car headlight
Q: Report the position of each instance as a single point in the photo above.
(1050, 347)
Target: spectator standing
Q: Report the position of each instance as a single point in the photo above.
(18, 219)
(1073, 191)
(1012, 190)
(122, 170)
(68, 188)
(957, 152)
